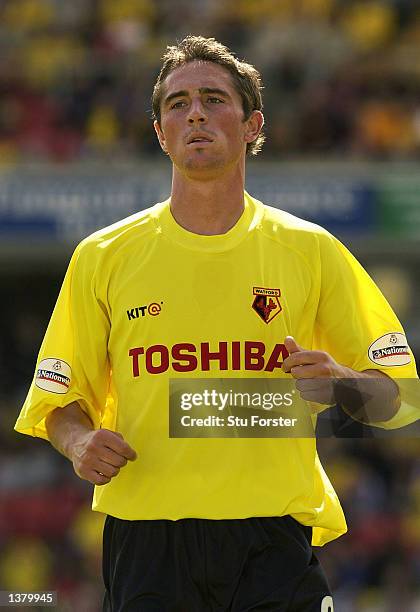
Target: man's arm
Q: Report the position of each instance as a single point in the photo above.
(97, 454)
(369, 396)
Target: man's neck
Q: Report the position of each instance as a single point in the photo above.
(207, 207)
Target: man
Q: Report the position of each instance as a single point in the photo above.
(207, 524)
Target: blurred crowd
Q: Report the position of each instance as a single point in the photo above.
(50, 539)
(376, 566)
(341, 76)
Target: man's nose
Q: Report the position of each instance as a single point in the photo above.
(197, 112)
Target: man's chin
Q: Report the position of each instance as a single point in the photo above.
(202, 166)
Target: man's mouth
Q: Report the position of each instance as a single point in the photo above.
(195, 139)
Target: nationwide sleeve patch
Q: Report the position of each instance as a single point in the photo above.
(53, 375)
(390, 350)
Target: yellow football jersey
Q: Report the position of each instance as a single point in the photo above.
(145, 301)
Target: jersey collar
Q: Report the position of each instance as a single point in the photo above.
(171, 230)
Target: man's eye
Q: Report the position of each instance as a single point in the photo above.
(179, 104)
(215, 100)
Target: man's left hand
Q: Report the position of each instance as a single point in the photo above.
(314, 371)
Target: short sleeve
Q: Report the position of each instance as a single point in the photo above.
(73, 362)
(358, 327)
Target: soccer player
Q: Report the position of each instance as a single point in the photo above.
(216, 524)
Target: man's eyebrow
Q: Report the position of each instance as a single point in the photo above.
(177, 94)
(183, 93)
(214, 90)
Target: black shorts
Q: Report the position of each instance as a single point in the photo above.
(199, 565)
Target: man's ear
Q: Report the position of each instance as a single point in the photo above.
(160, 135)
(254, 125)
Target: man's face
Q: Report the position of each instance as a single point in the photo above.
(202, 124)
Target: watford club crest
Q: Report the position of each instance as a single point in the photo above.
(266, 303)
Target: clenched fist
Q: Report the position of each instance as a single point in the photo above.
(368, 396)
(315, 372)
(99, 455)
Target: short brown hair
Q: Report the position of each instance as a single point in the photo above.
(246, 79)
